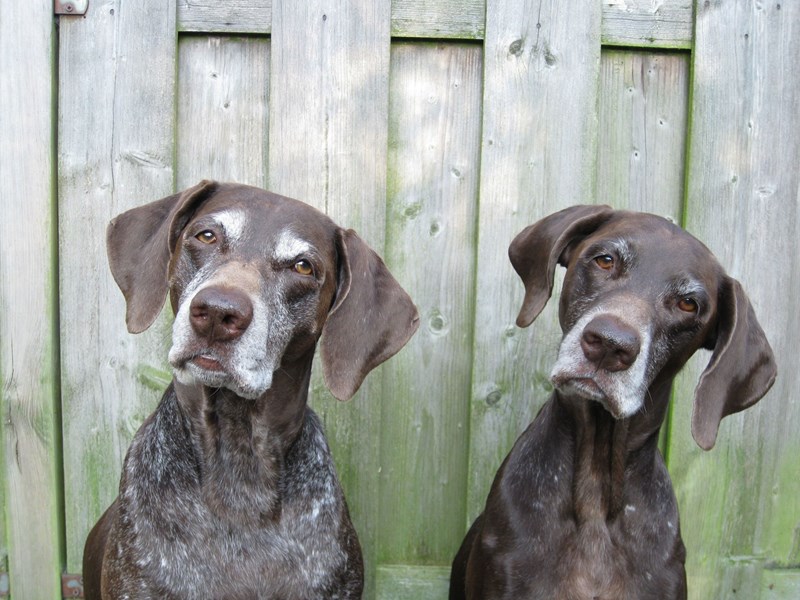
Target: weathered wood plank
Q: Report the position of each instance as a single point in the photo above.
(780, 584)
(116, 129)
(223, 110)
(30, 433)
(648, 23)
(740, 503)
(327, 146)
(538, 155)
(461, 19)
(400, 582)
(643, 117)
(434, 137)
(231, 16)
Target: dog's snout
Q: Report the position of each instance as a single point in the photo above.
(220, 314)
(609, 343)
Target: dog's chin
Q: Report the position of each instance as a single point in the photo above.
(209, 372)
(586, 388)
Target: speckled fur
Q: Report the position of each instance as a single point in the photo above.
(228, 489)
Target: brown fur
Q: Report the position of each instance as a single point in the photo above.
(582, 508)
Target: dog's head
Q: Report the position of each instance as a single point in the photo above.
(254, 280)
(640, 296)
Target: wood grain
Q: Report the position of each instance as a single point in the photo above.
(440, 19)
(648, 23)
(223, 110)
(643, 124)
(231, 16)
(30, 527)
(400, 582)
(434, 137)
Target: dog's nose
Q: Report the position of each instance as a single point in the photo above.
(220, 314)
(609, 343)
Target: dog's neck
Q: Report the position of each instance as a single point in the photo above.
(240, 444)
(606, 449)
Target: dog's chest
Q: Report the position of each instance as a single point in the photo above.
(293, 559)
(596, 561)
(183, 546)
(592, 566)
(572, 545)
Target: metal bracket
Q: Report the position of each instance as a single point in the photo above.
(71, 586)
(70, 7)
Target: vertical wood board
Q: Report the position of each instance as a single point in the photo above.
(120, 62)
(223, 110)
(643, 119)
(538, 153)
(434, 136)
(30, 526)
(739, 503)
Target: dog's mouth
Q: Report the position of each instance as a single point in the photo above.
(202, 367)
(207, 363)
(586, 388)
(206, 368)
(197, 361)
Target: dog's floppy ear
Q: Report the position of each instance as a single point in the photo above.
(371, 319)
(140, 242)
(741, 369)
(537, 249)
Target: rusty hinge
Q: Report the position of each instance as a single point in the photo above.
(70, 7)
(71, 586)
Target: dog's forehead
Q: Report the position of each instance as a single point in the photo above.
(282, 225)
(656, 244)
(644, 232)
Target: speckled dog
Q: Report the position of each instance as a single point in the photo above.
(228, 489)
(583, 508)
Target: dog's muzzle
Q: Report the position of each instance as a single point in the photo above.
(219, 341)
(602, 358)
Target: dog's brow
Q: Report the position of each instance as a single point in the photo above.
(232, 222)
(687, 286)
(289, 246)
(624, 250)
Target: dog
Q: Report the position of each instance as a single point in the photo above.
(582, 508)
(228, 489)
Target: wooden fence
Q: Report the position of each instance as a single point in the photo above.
(437, 129)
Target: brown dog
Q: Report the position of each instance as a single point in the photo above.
(228, 489)
(582, 508)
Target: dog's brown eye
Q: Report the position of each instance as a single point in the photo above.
(207, 237)
(605, 262)
(687, 305)
(303, 267)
